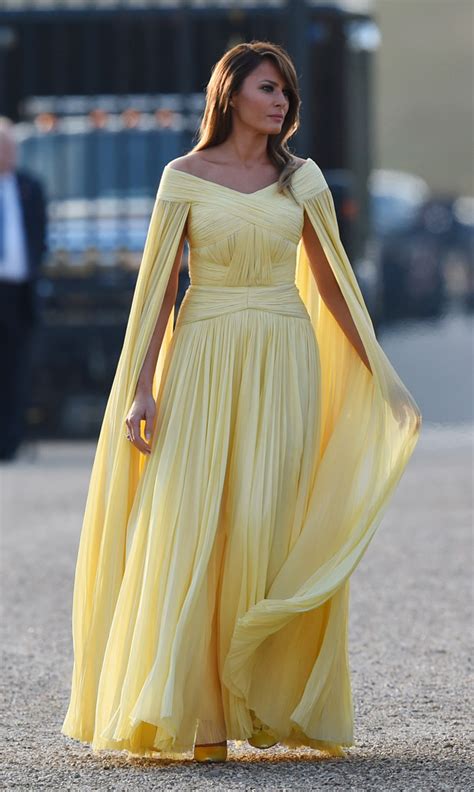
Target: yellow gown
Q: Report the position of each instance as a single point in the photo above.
(212, 577)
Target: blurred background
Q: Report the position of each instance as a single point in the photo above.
(103, 94)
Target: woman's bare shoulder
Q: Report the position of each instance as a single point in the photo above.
(299, 160)
(189, 163)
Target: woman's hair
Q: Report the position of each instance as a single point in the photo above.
(227, 76)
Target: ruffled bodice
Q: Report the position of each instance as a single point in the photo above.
(242, 239)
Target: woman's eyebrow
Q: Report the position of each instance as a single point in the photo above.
(272, 82)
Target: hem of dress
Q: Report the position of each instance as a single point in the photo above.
(172, 749)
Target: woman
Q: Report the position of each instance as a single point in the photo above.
(212, 581)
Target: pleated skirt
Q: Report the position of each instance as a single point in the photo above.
(219, 506)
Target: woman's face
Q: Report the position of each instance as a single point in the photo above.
(263, 99)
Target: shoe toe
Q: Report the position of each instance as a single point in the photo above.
(210, 753)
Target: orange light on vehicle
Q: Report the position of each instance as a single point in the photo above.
(165, 117)
(130, 118)
(46, 122)
(98, 118)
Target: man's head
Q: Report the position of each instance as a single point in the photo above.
(7, 145)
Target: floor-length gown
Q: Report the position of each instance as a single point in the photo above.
(212, 578)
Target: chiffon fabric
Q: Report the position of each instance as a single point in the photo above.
(212, 578)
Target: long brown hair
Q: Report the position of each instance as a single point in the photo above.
(227, 76)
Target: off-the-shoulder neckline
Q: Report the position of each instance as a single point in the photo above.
(231, 189)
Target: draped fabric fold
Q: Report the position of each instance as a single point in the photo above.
(287, 659)
(117, 469)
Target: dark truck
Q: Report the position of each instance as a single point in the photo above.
(97, 123)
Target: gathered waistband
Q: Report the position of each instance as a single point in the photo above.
(202, 301)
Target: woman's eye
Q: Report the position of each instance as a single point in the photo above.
(286, 92)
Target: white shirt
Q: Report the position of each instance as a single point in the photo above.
(13, 265)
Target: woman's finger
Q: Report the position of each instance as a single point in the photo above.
(149, 420)
(133, 435)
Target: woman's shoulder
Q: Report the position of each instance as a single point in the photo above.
(307, 164)
(299, 161)
(173, 185)
(191, 163)
(308, 178)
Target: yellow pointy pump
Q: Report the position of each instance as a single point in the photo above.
(211, 752)
(262, 739)
(262, 736)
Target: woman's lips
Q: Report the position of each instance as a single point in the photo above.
(277, 117)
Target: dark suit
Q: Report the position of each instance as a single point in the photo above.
(19, 317)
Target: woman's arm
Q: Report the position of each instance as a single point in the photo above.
(329, 289)
(144, 407)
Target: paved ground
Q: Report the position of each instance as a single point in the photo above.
(410, 642)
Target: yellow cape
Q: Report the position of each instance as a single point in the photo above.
(371, 422)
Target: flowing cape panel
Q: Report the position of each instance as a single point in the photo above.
(117, 467)
(370, 425)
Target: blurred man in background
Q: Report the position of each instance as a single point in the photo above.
(22, 247)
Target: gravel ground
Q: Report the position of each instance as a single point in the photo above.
(410, 631)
